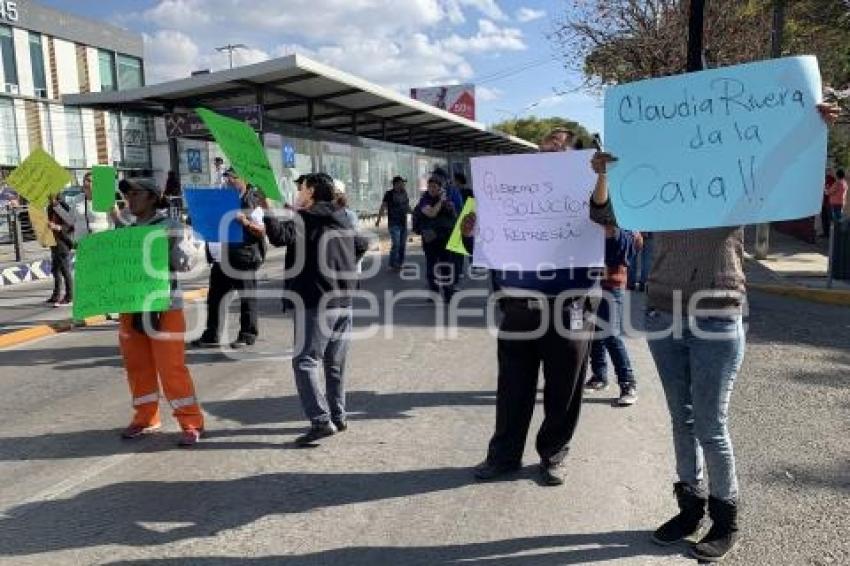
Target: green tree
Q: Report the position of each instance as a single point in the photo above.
(533, 129)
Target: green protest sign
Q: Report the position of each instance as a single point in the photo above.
(244, 150)
(124, 271)
(103, 188)
(38, 177)
(456, 240)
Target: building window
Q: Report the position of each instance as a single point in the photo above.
(106, 62)
(10, 69)
(76, 141)
(39, 78)
(46, 127)
(129, 72)
(9, 153)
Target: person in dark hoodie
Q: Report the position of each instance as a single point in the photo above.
(323, 316)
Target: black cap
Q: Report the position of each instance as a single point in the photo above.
(140, 184)
(399, 179)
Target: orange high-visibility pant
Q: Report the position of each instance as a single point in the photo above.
(151, 360)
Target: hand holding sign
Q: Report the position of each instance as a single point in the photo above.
(724, 147)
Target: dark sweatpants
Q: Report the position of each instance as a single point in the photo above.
(564, 356)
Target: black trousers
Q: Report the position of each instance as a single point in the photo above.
(440, 268)
(564, 357)
(220, 285)
(60, 266)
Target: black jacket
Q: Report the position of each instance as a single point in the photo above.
(326, 235)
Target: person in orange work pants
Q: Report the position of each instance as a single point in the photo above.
(148, 361)
(152, 344)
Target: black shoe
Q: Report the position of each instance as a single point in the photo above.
(340, 424)
(628, 395)
(689, 520)
(486, 471)
(243, 341)
(203, 342)
(552, 473)
(722, 536)
(596, 383)
(316, 432)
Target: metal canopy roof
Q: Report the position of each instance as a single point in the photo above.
(297, 90)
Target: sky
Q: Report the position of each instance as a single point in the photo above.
(499, 45)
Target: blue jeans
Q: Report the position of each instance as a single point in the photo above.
(837, 212)
(398, 238)
(611, 311)
(321, 336)
(698, 373)
(641, 263)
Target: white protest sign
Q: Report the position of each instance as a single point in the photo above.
(533, 212)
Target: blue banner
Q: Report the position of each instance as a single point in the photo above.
(724, 147)
(208, 209)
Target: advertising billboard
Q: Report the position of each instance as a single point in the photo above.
(457, 99)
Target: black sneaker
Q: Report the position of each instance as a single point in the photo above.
(243, 341)
(596, 383)
(628, 396)
(487, 471)
(340, 424)
(552, 473)
(203, 343)
(316, 432)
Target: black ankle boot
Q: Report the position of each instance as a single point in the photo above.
(722, 536)
(691, 512)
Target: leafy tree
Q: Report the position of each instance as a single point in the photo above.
(618, 41)
(533, 129)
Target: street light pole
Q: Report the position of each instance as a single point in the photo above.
(763, 230)
(696, 20)
(230, 48)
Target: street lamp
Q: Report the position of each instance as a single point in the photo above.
(230, 48)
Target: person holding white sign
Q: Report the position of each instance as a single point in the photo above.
(546, 310)
(696, 295)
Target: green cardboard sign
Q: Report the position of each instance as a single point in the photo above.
(103, 188)
(38, 178)
(456, 240)
(112, 275)
(244, 150)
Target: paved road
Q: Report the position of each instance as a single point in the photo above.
(396, 488)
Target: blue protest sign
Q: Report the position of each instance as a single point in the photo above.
(725, 147)
(208, 208)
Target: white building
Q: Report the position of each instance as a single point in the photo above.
(45, 54)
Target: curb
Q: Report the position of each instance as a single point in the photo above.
(826, 296)
(18, 337)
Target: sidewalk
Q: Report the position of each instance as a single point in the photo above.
(794, 268)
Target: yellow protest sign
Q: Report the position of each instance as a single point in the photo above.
(456, 240)
(38, 178)
(43, 233)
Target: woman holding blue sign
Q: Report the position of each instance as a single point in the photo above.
(695, 300)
